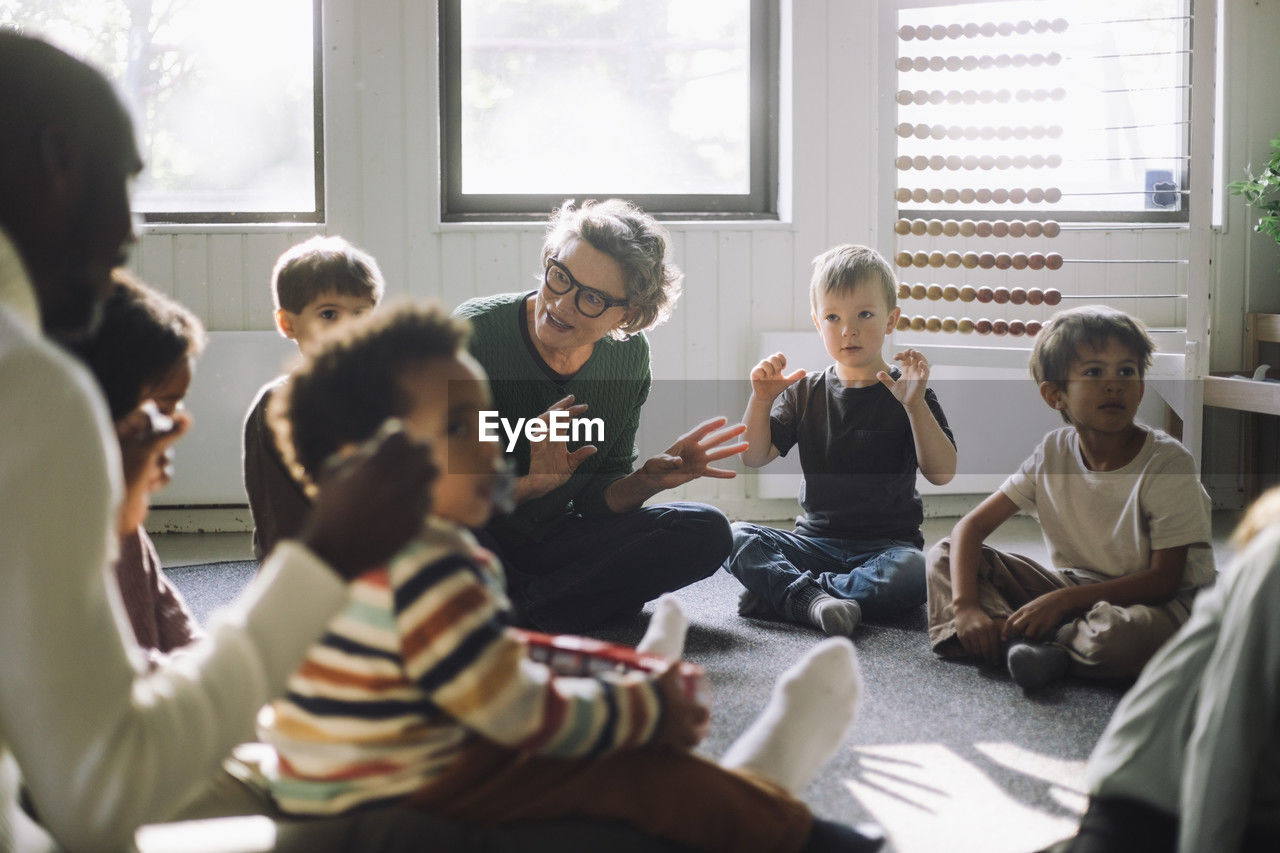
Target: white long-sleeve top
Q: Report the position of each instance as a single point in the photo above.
(102, 744)
(1199, 734)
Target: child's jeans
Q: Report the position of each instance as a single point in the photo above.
(788, 570)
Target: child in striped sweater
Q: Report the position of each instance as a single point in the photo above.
(419, 694)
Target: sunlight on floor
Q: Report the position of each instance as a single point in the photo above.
(929, 798)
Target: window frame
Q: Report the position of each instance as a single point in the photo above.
(316, 215)
(759, 203)
(1136, 218)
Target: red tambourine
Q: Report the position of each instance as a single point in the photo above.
(584, 657)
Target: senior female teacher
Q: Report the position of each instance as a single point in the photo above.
(580, 548)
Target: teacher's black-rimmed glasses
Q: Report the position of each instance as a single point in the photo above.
(589, 301)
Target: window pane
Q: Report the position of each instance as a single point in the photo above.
(222, 93)
(1088, 98)
(623, 97)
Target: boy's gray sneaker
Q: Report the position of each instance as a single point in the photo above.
(1033, 665)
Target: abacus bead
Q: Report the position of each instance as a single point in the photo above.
(1034, 229)
(965, 326)
(951, 228)
(985, 294)
(949, 324)
(1003, 261)
(982, 327)
(1051, 229)
(968, 293)
(904, 322)
(918, 291)
(904, 291)
(937, 259)
(983, 229)
(920, 259)
(953, 260)
(1017, 228)
(1052, 296)
(902, 226)
(986, 260)
(903, 259)
(933, 324)
(1000, 228)
(918, 227)
(1017, 295)
(1000, 295)
(917, 323)
(1019, 261)
(967, 227)
(1000, 327)
(1017, 327)
(935, 227)
(951, 293)
(1035, 296)
(1033, 327)
(1053, 261)
(934, 292)
(969, 260)
(1035, 260)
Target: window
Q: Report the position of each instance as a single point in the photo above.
(1084, 106)
(225, 96)
(669, 103)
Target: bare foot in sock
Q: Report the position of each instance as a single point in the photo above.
(1033, 665)
(666, 632)
(835, 617)
(806, 719)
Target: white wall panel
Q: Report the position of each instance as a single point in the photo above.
(742, 280)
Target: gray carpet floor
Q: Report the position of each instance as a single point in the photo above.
(946, 756)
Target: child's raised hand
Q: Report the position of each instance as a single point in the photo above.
(768, 379)
(909, 387)
(684, 719)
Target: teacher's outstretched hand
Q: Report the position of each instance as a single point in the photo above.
(688, 459)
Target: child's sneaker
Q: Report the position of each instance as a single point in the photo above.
(1033, 665)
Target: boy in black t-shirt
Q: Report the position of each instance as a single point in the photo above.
(863, 430)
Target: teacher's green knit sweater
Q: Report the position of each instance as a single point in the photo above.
(614, 383)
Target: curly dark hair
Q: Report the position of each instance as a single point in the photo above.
(141, 336)
(352, 385)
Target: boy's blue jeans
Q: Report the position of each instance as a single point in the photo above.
(785, 569)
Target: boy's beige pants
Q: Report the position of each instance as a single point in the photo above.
(1108, 641)
(670, 794)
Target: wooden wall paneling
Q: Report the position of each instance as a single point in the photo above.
(498, 269)
(153, 261)
(382, 128)
(343, 90)
(457, 268)
(1122, 279)
(851, 149)
(420, 149)
(529, 270)
(260, 254)
(663, 416)
(667, 341)
(775, 277)
(737, 342)
(191, 273)
(703, 291)
(227, 282)
(810, 101)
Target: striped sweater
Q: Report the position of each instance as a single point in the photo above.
(420, 662)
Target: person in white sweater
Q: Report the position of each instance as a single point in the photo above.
(101, 744)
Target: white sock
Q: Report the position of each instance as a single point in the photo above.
(835, 617)
(806, 719)
(667, 628)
